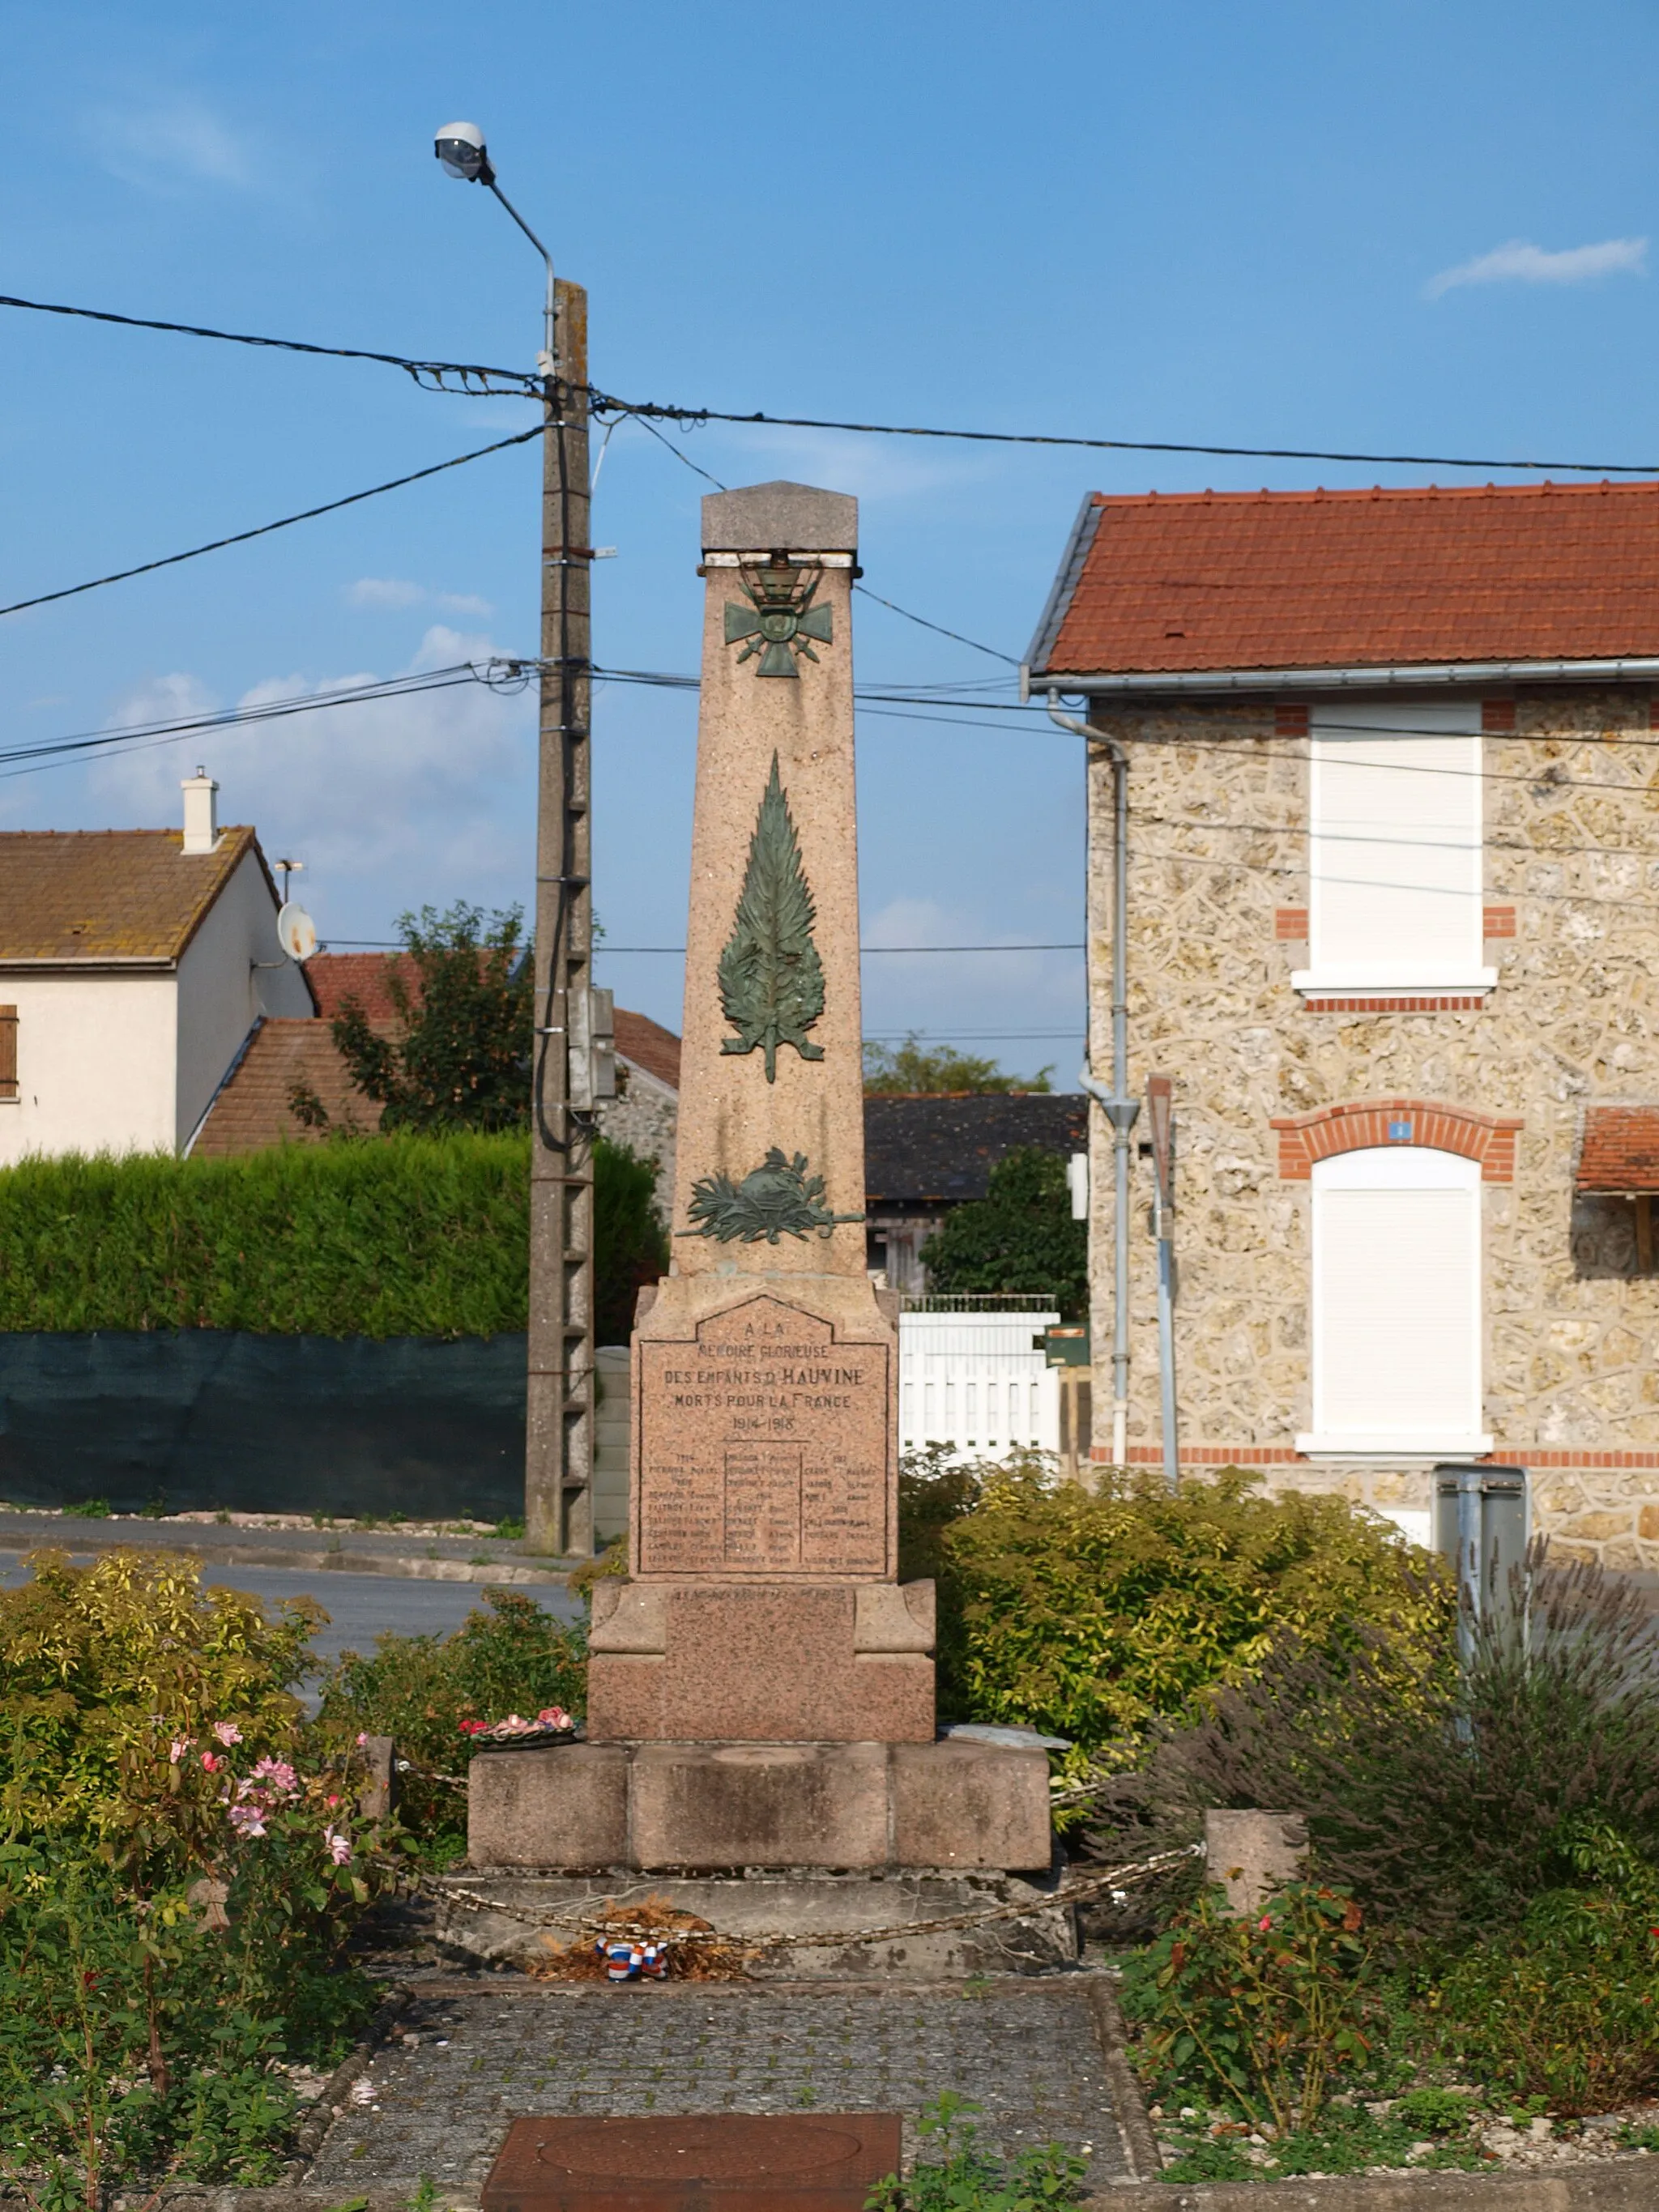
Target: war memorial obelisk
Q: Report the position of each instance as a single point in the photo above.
(761, 1686)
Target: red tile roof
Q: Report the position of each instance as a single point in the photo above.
(649, 1045)
(76, 895)
(337, 976)
(1192, 582)
(253, 1110)
(1620, 1154)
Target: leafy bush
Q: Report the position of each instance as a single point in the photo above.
(1260, 2009)
(103, 1668)
(1562, 2007)
(1019, 1238)
(1449, 1805)
(1093, 1613)
(509, 1657)
(407, 1236)
(178, 1880)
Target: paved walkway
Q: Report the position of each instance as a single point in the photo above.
(472, 2060)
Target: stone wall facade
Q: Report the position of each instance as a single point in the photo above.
(644, 1116)
(1217, 895)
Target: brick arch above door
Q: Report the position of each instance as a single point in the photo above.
(1362, 1122)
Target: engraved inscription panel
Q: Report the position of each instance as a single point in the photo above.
(764, 1449)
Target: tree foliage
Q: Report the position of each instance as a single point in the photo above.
(1020, 1237)
(458, 1057)
(912, 1069)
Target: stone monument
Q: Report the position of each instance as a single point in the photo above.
(761, 1686)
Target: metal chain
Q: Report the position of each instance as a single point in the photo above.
(1075, 1893)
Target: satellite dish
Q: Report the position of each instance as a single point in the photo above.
(297, 933)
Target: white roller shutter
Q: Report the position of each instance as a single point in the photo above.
(1394, 847)
(1397, 1303)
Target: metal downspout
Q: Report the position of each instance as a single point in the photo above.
(1119, 1107)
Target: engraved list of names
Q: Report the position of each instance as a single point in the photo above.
(763, 1449)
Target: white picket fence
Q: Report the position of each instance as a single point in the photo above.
(971, 1379)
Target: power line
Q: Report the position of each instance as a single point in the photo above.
(938, 628)
(500, 675)
(604, 403)
(265, 529)
(516, 379)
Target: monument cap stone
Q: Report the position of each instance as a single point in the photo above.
(780, 517)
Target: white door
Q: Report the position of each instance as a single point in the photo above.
(1396, 1304)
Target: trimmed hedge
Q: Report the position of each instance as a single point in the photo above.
(404, 1236)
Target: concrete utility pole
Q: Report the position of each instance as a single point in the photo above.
(558, 1482)
(559, 1430)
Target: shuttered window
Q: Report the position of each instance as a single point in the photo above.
(8, 1052)
(1396, 1304)
(1394, 862)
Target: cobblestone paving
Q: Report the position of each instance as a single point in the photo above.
(470, 2064)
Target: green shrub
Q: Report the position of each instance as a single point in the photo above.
(1449, 1805)
(403, 1236)
(1020, 1237)
(1562, 2007)
(1261, 2009)
(1093, 1613)
(509, 1658)
(103, 1668)
(178, 1878)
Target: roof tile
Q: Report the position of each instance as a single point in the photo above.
(1191, 582)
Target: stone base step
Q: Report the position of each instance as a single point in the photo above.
(491, 1916)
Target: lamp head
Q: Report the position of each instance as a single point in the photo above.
(460, 148)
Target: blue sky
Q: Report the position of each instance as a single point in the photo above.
(1421, 227)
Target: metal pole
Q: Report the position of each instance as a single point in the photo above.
(1160, 1101)
(1118, 1107)
(559, 1426)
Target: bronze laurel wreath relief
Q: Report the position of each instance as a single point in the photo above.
(771, 978)
(777, 1199)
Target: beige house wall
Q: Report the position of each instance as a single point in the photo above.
(1218, 808)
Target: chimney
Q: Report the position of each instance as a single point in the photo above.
(201, 812)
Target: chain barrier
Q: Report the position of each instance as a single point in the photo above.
(589, 1921)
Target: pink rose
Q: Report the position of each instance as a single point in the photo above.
(178, 1747)
(227, 1733)
(339, 1846)
(211, 1762)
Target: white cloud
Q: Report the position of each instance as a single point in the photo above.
(1519, 262)
(389, 803)
(393, 592)
(167, 142)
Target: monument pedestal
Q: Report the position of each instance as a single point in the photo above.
(719, 1807)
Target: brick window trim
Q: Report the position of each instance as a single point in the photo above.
(1293, 718)
(1290, 923)
(1362, 1123)
(1464, 1002)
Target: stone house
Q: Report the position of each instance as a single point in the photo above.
(1393, 935)
(135, 966)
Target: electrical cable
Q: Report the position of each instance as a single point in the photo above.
(265, 529)
(528, 385)
(604, 403)
(939, 628)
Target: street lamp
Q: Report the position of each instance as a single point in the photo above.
(460, 147)
(566, 1082)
